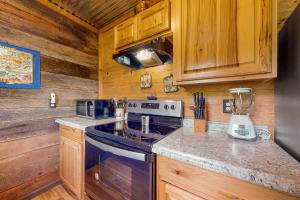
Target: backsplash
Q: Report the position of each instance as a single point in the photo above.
(119, 81)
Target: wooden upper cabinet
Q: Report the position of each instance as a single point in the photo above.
(125, 32)
(154, 20)
(224, 40)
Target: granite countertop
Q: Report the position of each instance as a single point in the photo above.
(261, 162)
(82, 123)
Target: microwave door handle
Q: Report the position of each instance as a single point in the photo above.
(117, 151)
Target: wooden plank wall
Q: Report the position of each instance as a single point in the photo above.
(119, 81)
(28, 135)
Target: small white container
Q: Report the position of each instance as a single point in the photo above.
(120, 113)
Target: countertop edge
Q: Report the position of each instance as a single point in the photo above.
(70, 124)
(251, 176)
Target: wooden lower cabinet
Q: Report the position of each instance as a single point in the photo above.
(180, 181)
(71, 159)
(175, 193)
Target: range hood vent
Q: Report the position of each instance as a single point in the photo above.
(149, 54)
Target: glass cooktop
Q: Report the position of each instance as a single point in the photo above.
(130, 133)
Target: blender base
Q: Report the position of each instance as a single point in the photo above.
(241, 127)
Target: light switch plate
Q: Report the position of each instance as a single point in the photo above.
(52, 100)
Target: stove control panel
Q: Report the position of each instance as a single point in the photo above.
(150, 106)
(171, 108)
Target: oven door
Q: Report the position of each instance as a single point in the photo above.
(116, 172)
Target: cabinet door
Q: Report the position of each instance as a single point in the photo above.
(223, 38)
(175, 193)
(154, 20)
(71, 164)
(126, 32)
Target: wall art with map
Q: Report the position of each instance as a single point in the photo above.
(19, 67)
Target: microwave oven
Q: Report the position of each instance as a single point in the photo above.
(95, 108)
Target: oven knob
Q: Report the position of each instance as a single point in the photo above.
(173, 107)
(166, 107)
(134, 105)
(129, 105)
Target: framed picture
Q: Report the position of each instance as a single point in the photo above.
(168, 84)
(19, 67)
(146, 81)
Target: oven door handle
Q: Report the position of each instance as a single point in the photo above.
(117, 151)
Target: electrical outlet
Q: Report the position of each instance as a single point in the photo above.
(188, 123)
(226, 106)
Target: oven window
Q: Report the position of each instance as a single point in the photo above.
(112, 177)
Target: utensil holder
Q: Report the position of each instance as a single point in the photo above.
(200, 125)
(120, 113)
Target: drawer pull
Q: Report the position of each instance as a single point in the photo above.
(177, 172)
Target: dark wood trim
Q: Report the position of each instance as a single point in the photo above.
(41, 190)
(58, 66)
(21, 191)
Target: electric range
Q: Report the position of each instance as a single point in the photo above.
(118, 156)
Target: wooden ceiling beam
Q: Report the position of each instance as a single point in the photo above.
(68, 15)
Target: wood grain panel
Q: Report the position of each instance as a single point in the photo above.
(23, 190)
(22, 127)
(119, 81)
(8, 149)
(205, 29)
(28, 134)
(227, 32)
(97, 12)
(25, 167)
(47, 47)
(93, 8)
(51, 26)
(53, 65)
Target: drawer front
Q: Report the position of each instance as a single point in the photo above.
(71, 133)
(175, 193)
(210, 185)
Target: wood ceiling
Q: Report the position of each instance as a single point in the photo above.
(100, 13)
(97, 13)
(285, 9)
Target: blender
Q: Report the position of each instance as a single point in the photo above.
(240, 124)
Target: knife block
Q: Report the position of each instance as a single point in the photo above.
(200, 125)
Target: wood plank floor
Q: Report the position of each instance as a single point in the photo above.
(56, 193)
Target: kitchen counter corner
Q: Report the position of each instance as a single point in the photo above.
(261, 162)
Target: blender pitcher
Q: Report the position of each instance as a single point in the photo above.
(240, 124)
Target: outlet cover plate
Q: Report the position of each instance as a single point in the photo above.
(226, 106)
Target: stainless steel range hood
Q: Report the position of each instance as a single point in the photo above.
(149, 54)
